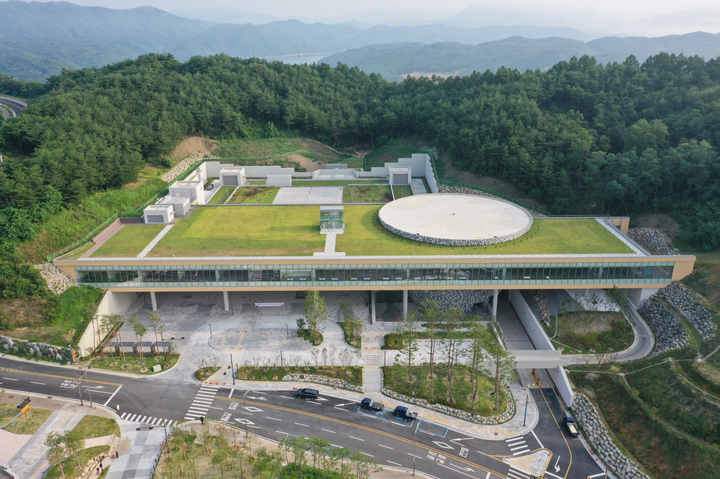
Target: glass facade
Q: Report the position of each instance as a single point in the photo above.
(435, 274)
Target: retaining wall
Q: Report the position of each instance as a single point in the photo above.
(111, 303)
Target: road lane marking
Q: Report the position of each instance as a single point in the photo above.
(456, 471)
(33, 382)
(357, 438)
(11, 379)
(272, 418)
(68, 378)
(303, 425)
(538, 440)
(374, 431)
(113, 395)
(553, 475)
(231, 393)
(413, 455)
(395, 463)
(386, 447)
(365, 453)
(281, 432)
(523, 446)
(461, 439)
(328, 430)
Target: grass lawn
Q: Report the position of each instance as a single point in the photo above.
(401, 191)
(354, 341)
(129, 241)
(135, 364)
(70, 465)
(396, 378)
(663, 452)
(203, 373)
(367, 194)
(96, 426)
(315, 338)
(590, 332)
(259, 231)
(256, 196)
(222, 194)
(337, 182)
(29, 423)
(365, 236)
(351, 374)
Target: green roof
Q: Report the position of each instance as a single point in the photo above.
(295, 231)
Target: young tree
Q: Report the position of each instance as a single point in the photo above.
(139, 329)
(451, 345)
(158, 325)
(503, 363)
(315, 311)
(431, 314)
(57, 450)
(116, 321)
(477, 333)
(63, 446)
(341, 453)
(408, 332)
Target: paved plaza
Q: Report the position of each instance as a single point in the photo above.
(309, 195)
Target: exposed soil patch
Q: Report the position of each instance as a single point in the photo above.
(323, 152)
(191, 145)
(662, 222)
(308, 163)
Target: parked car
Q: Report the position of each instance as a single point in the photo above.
(372, 404)
(307, 393)
(404, 413)
(571, 426)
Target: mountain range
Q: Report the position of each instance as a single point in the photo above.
(39, 39)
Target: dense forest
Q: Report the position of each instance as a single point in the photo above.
(623, 138)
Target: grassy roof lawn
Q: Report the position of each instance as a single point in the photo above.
(128, 242)
(367, 194)
(337, 182)
(245, 231)
(222, 194)
(364, 236)
(401, 191)
(253, 195)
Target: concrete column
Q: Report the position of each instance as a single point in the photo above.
(405, 304)
(495, 302)
(226, 300)
(154, 300)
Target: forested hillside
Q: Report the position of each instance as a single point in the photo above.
(627, 138)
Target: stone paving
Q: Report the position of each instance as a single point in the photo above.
(155, 241)
(309, 195)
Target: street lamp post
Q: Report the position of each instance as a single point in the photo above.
(526, 406)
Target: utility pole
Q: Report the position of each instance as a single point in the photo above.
(526, 406)
(79, 389)
(232, 370)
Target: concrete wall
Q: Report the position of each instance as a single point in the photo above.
(279, 180)
(430, 175)
(111, 303)
(335, 172)
(637, 296)
(537, 334)
(562, 383)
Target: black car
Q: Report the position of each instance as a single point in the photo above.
(372, 405)
(404, 413)
(307, 393)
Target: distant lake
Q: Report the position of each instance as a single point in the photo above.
(298, 59)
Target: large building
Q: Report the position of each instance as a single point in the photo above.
(420, 242)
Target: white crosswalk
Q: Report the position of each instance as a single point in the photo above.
(201, 403)
(517, 474)
(149, 420)
(517, 445)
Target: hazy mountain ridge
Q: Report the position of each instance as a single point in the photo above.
(395, 60)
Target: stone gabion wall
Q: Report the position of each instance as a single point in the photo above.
(597, 434)
(541, 303)
(669, 332)
(186, 163)
(694, 311)
(318, 379)
(57, 281)
(508, 414)
(446, 299)
(39, 350)
(453, 242)
(653, 240)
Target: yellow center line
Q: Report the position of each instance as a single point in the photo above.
(8, 370)
(365, 428)
(43, 443)
(241, 338)
(561, 433)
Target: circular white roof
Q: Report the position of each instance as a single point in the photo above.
(455, 219)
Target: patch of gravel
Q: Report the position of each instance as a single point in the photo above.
(691, 308)
(669, 332)
(653, 240)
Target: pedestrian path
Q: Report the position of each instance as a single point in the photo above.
(517, 445)
(155, 241)
(372, 379)
(201, 404)
(149, 420)
(138, 452)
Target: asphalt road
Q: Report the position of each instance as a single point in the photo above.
(432, 448)
(15, 105)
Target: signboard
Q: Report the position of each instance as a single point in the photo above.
(264, 305)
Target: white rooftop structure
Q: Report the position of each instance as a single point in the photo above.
(159, 214)
(232, 176)
(188, 189)
(399, 175)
